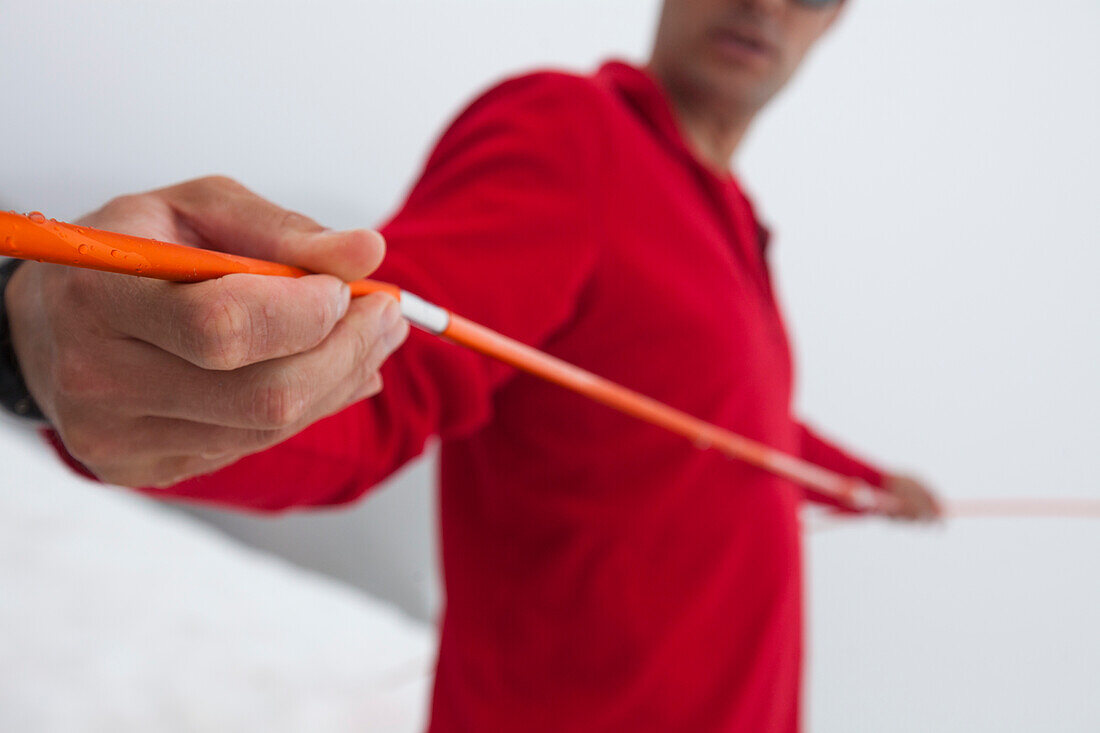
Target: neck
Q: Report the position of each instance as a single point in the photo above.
(713, 135)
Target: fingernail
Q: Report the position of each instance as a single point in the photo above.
(395, 334)
(391, 314)
(343, 301)
(341, 235)
(328, 234)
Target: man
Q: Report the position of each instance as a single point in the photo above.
(600, 573)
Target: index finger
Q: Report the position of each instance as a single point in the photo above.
(225, 323)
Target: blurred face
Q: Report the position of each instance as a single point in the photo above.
(735, 55)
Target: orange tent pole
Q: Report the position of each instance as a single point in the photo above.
(35, 237)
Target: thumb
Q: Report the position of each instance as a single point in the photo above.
(233, 219)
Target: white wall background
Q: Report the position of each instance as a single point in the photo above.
(932, 179)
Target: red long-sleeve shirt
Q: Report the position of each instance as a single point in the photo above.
(601, 574)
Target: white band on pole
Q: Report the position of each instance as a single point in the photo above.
(428, 316)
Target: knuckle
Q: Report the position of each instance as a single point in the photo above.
(294, 221)
(128, 211)
(77, 287)
(113, 477)
(167, 472)
(371, 387)
(77, 379)
(125, 204)
(92, 447)
(208, 192)
(222, 332)
(78, 443)
(69, 378)
(217, 180)
(281, 399)
(158, 480)
(162, 481)
(243, 441)
(258, 440)
(116, 476)
(216, 184)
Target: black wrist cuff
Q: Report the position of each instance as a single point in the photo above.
(14, 396)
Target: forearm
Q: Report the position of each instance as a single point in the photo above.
(825, 453)
(293, 473)
(822, 452)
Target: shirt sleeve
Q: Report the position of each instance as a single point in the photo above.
(502, 227)
(818, 450)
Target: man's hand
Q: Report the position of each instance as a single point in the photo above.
(912, 499)
(150, 382)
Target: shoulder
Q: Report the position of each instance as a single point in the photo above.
(547, 90)
(541, 135)
(551, 107)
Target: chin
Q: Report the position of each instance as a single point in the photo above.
(733, 87)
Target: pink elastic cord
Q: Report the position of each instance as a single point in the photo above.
(985, 509)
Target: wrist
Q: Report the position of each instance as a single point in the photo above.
(15, 397)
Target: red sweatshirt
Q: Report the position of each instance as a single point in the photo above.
(601, 574)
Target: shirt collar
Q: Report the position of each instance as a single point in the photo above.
(644, 94)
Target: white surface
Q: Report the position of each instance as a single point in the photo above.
(983, 625)
(932, 182)
(119, 615)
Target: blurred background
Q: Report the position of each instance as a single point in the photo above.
(931, 181)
